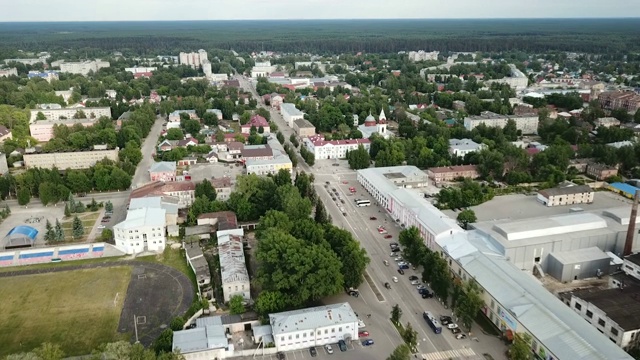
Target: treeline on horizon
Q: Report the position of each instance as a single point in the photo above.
(329, 36)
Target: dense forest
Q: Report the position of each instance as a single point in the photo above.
(328, 36)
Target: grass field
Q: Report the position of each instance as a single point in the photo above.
(78, 310)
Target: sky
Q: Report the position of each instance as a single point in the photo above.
(132, 10)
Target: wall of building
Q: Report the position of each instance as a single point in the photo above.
(144, 238)
(575, 271)
(234, 288)
(69, 160)
(304, 339)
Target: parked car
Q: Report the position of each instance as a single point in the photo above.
(426, 294)
(313, 351)
(329, 349)
(395, 249)
(373, 218)
(387, 285)
(400, 259)
(456, 331)
(415, 282)
(388, 236)
(452, 326)
(445, 320)
(403, 266)
(101, 226)
(421, 287)
(280, 355)
(367, 342)
(363, 334)
(393, 245)
(342, 345)
(413, 277)
(361, 324)
(400, 271)
(394, 279)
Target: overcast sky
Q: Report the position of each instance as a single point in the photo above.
(127, 10)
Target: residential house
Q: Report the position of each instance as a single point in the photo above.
(199, 265)
(462, 147)
(5, 133)
(223, 187)
(275, 100)
(175, 116)
(166, 145)
(233, 269)
(188, 142)
(451, 173)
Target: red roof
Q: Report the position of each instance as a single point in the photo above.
(257, 121)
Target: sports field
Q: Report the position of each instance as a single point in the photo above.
(78, 309)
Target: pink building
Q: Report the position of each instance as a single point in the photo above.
(257, 121)
(42, 130)
(163, 171)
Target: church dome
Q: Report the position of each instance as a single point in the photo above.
(370, 121)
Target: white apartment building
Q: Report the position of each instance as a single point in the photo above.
(334, 149)
(141, 69)
(143, 230)
(527, 124)
(262, 69)
(8, 72)
(290, 113)
(69, 160)
(317, 326)
(69, 113)
(42, 130)
(518, 80)
(193, 59)
(84, 67)
(421, 55)
(233, 268)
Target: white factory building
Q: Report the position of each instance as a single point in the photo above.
(515, 301)
(317, 326)
(290, 113)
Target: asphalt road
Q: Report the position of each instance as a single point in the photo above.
(141, 176)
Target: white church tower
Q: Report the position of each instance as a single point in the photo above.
(382, 124)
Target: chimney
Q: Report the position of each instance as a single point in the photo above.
(628, 244)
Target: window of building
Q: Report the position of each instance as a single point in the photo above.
(326, 331)
(289, 337)
(340, 329)
(577, 306)
(297, 336)
(304, 335)
(589, 314)
(493, 304)
(600, 322)
(614, 331)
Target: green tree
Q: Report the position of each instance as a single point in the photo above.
(521, 347)
(310, 273)
(108, 206)
(106, 235)
(210, 119)
(410, 336)
(236, 305)
(174, 134)
(131, 152)
(354, 259)
(78, 227)
(205, 189)
(413, 245)
(67, 211)
(288, 200)
(24, 196)
(49, 234)
(220, 136)
(40, 116)
(321, 215)
(636, 117)
(269, 302)
(466, 217)
(294, 140)
(58, 231)
(47, 193)
(282, 177)
(396, 314)
(280, 137)
(177, 323)
(49, 351)
(402, 352)
(93, 205)
(359, 158)
(469, 304)
(191, 126)
(164, 342)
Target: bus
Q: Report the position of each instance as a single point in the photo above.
(362, 203)
(432, 322)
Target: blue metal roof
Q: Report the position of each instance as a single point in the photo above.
(24, 230)
(626, 188)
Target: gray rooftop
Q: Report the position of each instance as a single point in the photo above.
(303, 124)
(581, 255)
(430, 216)
(232, 263)
(312, 318)
(567, 190)
(163, 166)
(137, 218)
(200, 338)
(169, 204)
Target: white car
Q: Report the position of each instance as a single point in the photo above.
(328, 348)
(415, 282)
(399, 259)
(402, 263)
(395, 279)
(452, 326)
(101, 226)
(361, 324)
(421, 287)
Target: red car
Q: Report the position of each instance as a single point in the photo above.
(388, 236)
(363, 334)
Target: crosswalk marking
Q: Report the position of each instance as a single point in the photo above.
(460, 354)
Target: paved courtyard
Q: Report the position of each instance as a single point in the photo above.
(29, 216)
(200, 172)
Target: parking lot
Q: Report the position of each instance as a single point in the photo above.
(200, 172)
(355, 350)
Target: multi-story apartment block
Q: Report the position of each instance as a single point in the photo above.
(70, 113)
(47, 75)
(193, 59)
(527, 124)
(83, 67)
(43, 130)
(421, 55)
(333, 149)
(69, 160)
(141, 69)
(627, 100)
(8, 72)
(143, 230)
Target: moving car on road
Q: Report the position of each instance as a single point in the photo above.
(387, 285)
(400, 271)
(395, 279)
(373, 218)
(386, 262)
(388, 236)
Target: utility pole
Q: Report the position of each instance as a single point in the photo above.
(135, 326)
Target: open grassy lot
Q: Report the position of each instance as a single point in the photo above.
(77, 309)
